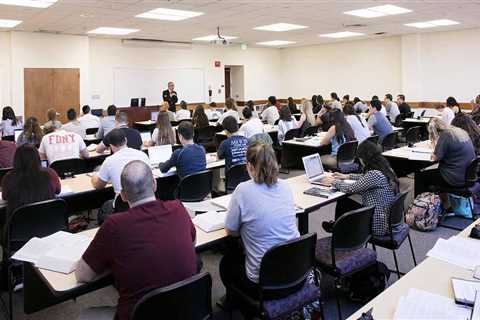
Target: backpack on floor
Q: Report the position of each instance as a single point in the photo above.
(365, 285)
(424, 212)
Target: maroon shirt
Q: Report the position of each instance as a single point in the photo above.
(7, 152)
(147, 247)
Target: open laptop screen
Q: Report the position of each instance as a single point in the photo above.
(159, 154)
(313, 166)
(153, 116)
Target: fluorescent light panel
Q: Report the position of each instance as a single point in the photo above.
(4, 23)
(113, 31)
(378, 11)
(169, 14)
(432, 24)
(29, 3)
(280, 27)
(344, 34)
(213, 37)
(275, 43)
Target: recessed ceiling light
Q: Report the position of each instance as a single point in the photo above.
(432, 24)
(29, 3)
(379, 11)
(213, 37)
(169, 14)
(280, 27)
(9, 23)
(113, 31)
(344, 34)
(275, 43)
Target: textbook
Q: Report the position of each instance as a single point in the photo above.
(58, 252)
(465, 291)
(210, 221)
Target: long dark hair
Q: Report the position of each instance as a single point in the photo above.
(200, 119)
(342, 127)
(285, 114)
(28, 182)
(349, 111)
(8, 113)
(372, 158)
(466, 123)
(165, 131)
(32, 130)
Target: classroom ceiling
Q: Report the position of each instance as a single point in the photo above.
(239, 17)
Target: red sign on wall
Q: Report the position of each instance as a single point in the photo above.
(218, 64)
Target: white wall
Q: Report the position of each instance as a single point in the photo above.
(237, 83)
(5, 75)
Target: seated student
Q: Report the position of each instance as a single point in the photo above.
(403, 107)
(191, 158)
(318, 105)
(52, 124)
(74, 125)
(359, 106)
(183, 113)
(112, 167)
(339, 133)
(454, 151)
(377, 121)
(200, 118)
(270, 113)
(463, 121)
(61, 145)
(453, 104)
(163, 133)
(336, 104)
(314, 103)
(134, 139)
(147, 247)
(446, 113)
(307, 119)
(251, 125)
(391, 107)
(262, 213)
(377, 186)
(345, 99)
(28, 182)
(475, 114)
(358, 123)
(88, 120)
(211, 111)
(382, 109)
(324, 117)
(231, 107)
(287, 122)
(293, 106)
(250, 105)
(107, 123)
(9, 123)
(31, 134)
(234, 148)
(7, 152)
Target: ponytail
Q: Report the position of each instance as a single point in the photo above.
(262, 157)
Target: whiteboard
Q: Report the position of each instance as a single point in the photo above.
(131, 83)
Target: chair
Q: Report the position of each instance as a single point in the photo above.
(3, 173)
(346, 156)
(311, 131)
(92, 130)
(194, 187)
(398, 120)
(69, 167)
(390, 141)
(119, 205)
(290, 135)
(373, 139)
(234, 176)
(206, 137)
(344, 253)
(398, 231)
(8, 138)
(283, 272)
(190, 299)
(38, 219)
(413, 135)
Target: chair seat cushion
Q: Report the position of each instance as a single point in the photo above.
(278, 309)
(347, 261)
(400, 233)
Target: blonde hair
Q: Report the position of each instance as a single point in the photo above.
(307, 109)
(165, 106)
(437, 126)
(262, 158)
(230, 104)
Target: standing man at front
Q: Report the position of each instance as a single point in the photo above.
(170, 96)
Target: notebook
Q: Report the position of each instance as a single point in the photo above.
(465, 291)
(210, 221)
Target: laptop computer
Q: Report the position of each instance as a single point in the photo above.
(146, 136)
(17, 134)
(154, 116)
(314, 169)
(159, 154)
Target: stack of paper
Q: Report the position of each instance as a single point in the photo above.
(420, 156)
(202, 206)
(222, 202)
(459, 251)
(419, 304)
(65, 190)
(465, 290)
(314, 142)
(92, 147)
(58, 252)
(210, 221)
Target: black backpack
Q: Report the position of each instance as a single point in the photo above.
(367, 284)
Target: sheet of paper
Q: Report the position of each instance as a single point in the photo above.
(63, 258)
(459, 251)
(210, 221)
(419, 156)
(223, 202)
(92, 147)
(33, 250)
(159, 154)
(202, 206)
(66, 190)
(465, 290)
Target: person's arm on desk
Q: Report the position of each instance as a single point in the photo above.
(84, 273)
(172, 162)
(328, 136)
(233, 222)
(99, 180)
(101, 148)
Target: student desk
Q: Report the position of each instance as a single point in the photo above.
(143, 126)
(405, 161)
(415, 122)
(431, 275)
(267, 128)
(293, 151)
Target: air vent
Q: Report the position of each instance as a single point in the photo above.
(355, 25)
(380, 33)
(152, 43)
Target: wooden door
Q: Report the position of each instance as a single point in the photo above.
(46, 88)
(228, 80)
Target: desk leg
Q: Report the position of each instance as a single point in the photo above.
(37, 295)
(303, 223)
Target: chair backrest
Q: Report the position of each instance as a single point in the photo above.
(91, 130)
(373, 139)
(69, 167)
(390, 141)
(471, 175)
(8, 138)
(190, 299)
(397, 210)
(3, 173)
(276, 122)
(292, 133)
(413, 135)
(119, 205)
(398, 120)
(204, 135)
(194, 187)
(37, 219)
(234, 176)
(353, 229)
(347, 151)
(310, 131)
(288, 264)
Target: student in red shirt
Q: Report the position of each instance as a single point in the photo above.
(147, 247)
(7, 151)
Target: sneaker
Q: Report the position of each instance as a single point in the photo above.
(328, 226)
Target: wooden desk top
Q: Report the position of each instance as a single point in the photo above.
(431, 275)
(410, 153)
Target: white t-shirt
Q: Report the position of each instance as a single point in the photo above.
(112, 167)
(252, 127)
(284, 127)
(61, 145)
(89, 121)
(270, 115)
(75, 126)
(447, 115)
(361, 132)
(337, 105)
(211, 114)
(8, 129)
(182, 114)
(228, 113)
